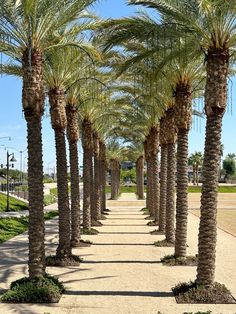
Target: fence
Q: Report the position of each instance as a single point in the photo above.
(16, 189)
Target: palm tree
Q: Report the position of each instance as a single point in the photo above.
(171, 137)
(212, 23)
(73, 137)
(163, 176)
(114, 154)
(195, 160)
(27, 44)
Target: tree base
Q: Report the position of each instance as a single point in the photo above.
(164, 243)
(193, 293)
(149, 218)
(157, 232)
(62, 261)
(45, 289)
(153, 223)
(91, 231)
(96, 223)
(106, 210)
(85, 243)
(102, 217)
(172, 260)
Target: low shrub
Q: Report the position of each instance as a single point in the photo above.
(193, 293)
(46, 289)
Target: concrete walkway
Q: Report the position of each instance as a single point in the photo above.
(121, 272)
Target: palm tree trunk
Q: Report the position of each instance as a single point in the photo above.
(33, 105)
(197, 175)
(140, 177)
(155, 188)
(97, 179)
(91, 167)
(59, 123)
(73, 137)
(170, 202)
(182, 194)
(163, 186)
(103, 176)
(152, 148)
(75, 195)
(86, 142)
(115, 178)
(148, 193)
(216, 99)
(64, 247)
(36, 230)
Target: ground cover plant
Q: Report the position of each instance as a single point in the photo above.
(172, 260)
(13, 226)
(193, 293)
(15, 204)
(44, 289)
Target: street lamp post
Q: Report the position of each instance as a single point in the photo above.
(9, 160)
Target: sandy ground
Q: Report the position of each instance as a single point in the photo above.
(121, 272)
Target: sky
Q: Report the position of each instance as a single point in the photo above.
(12, 121)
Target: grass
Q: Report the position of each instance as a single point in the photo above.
(226, 219)
(163, 243)
(45, 289)
(172, 260)
(13, 226)
(55, 261)
(92, 231)
(49, 199)
(193, 293)
(191, 189)
(221, 189)
(15, 204)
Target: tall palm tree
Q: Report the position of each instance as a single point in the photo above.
(212, 23)
(73, 137)
(114, 154)
(195, 160)
(29, 29)
(171, 137)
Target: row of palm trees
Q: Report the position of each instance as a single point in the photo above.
(190, 46)
(165, 62)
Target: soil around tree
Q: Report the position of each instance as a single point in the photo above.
(152, 223)
(193, 293)
(45, 289)
(91, 231)
(55, 261)
(172, 260)
(96, 223)
(102, 217)
(85, 243)
(157, 232)
(149, 218)
(163, 243)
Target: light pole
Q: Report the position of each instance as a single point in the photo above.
(11, 160)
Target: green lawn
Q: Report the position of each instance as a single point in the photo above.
(15, 204)
(221, 189)
(11, 227)
(191, 189)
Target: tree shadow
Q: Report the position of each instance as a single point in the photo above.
(122, 262)
(87, 279)
(124, 232)
(125, 244)
(122, 293)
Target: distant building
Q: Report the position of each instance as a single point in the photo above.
(127, 165)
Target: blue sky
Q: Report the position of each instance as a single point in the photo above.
(12, 122)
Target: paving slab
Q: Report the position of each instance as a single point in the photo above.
(121, 272)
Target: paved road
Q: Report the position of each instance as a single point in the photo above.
(121, 272)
